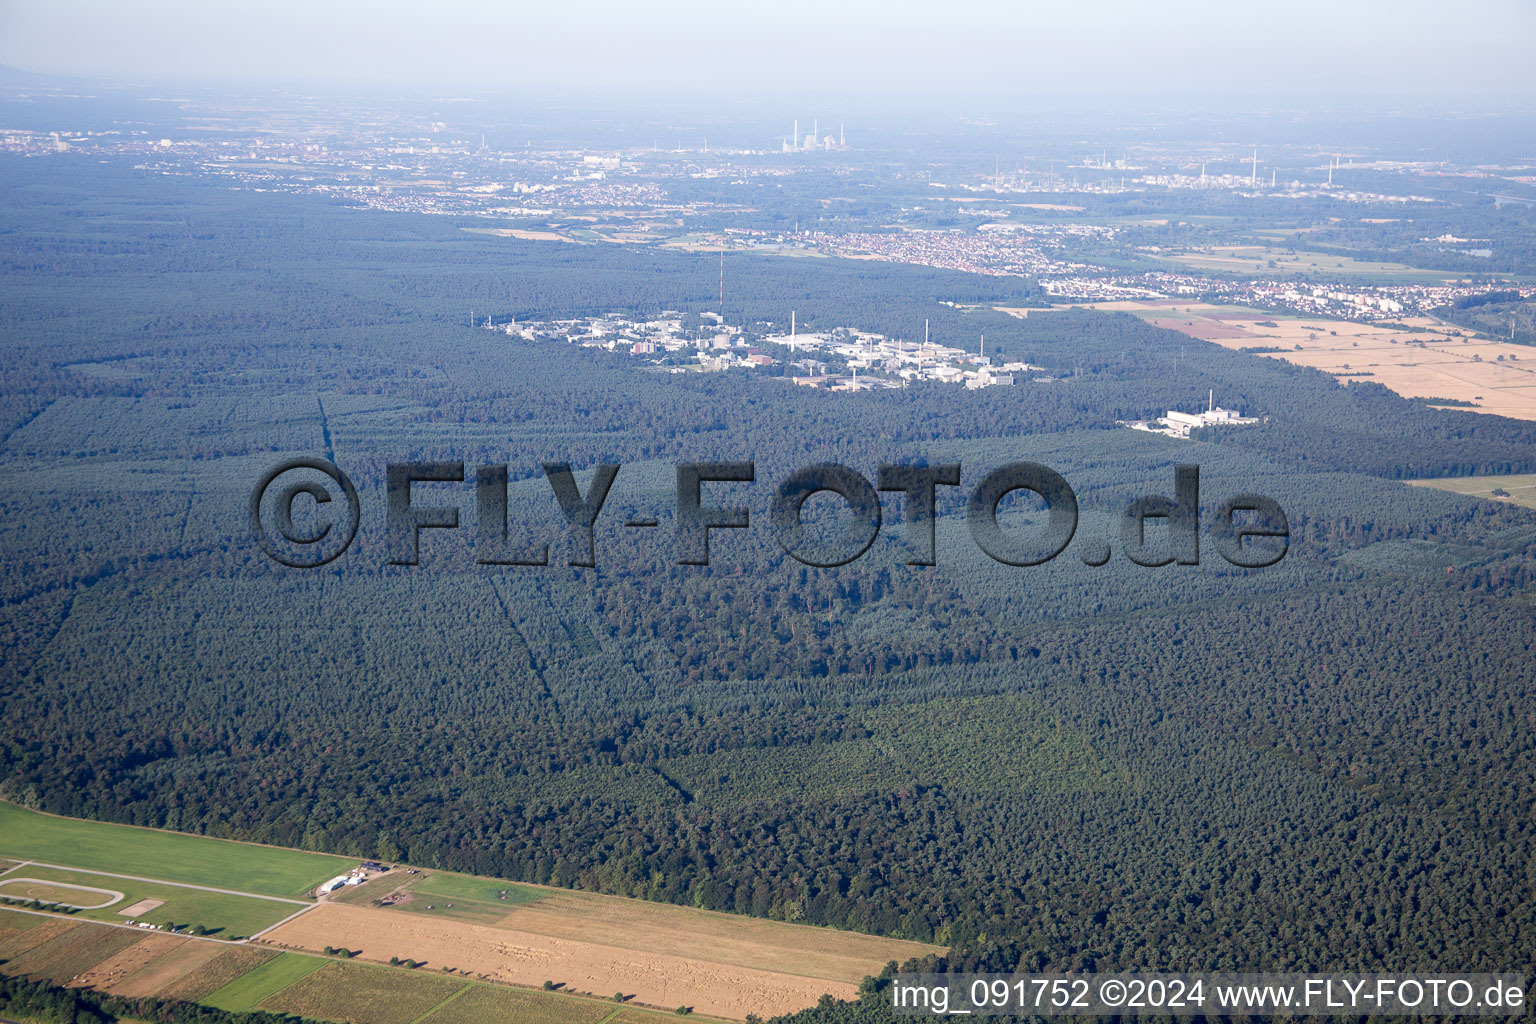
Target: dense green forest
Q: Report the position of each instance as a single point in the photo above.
(1324, 764)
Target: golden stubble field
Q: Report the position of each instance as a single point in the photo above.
(1425, 361)
(1515, 490)
(720, 965)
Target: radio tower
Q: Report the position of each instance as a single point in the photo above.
(722, 286)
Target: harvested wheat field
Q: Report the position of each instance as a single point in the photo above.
(1516, 490)
(152, 961)
(20, 932)
(523, 233)
(1426, 362)
(1204, 329)
(195, 974)
(530, 958)
(116, 968)
(171, 968)
(1422, 358)
(723, 938)
(71, 953)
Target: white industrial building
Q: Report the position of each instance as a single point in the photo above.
(1179, 424)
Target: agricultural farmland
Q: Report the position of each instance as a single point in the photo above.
(483, 1004)
(1419, 358)
(1279, 262)
(460, 927)
(665, 955)
(61, 956)
(1519, 489)
(172, 856)
(198, 975)
(506, 954)
(263, 982)
(360, 994)
(241, 977)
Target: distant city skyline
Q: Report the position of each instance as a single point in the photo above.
(1368, 50)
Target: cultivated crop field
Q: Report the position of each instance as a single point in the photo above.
(647, 951)
(166, 966)
(681, 931)
(1281, 262)
(1519, 489)
(63, 956)
(528, 934)
(360, 994)
(482, 1004)
(1419, 359)
(130, 960)
(265, 981)
(243, 977)
(21, 932)
(197, 973)
(465, 930)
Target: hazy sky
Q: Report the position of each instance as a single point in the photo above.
(1470, 51)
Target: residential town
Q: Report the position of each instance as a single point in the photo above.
(1053, 221)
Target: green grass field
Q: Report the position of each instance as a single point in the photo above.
(470, 888)
(1257, 259)
(232, 916)
(360, 994)
(172, 856)
(232, 962)
(636, 1015)
(467, 898)
(264, 982)
(482, 1004)
(1519, 489)
(55, 890)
